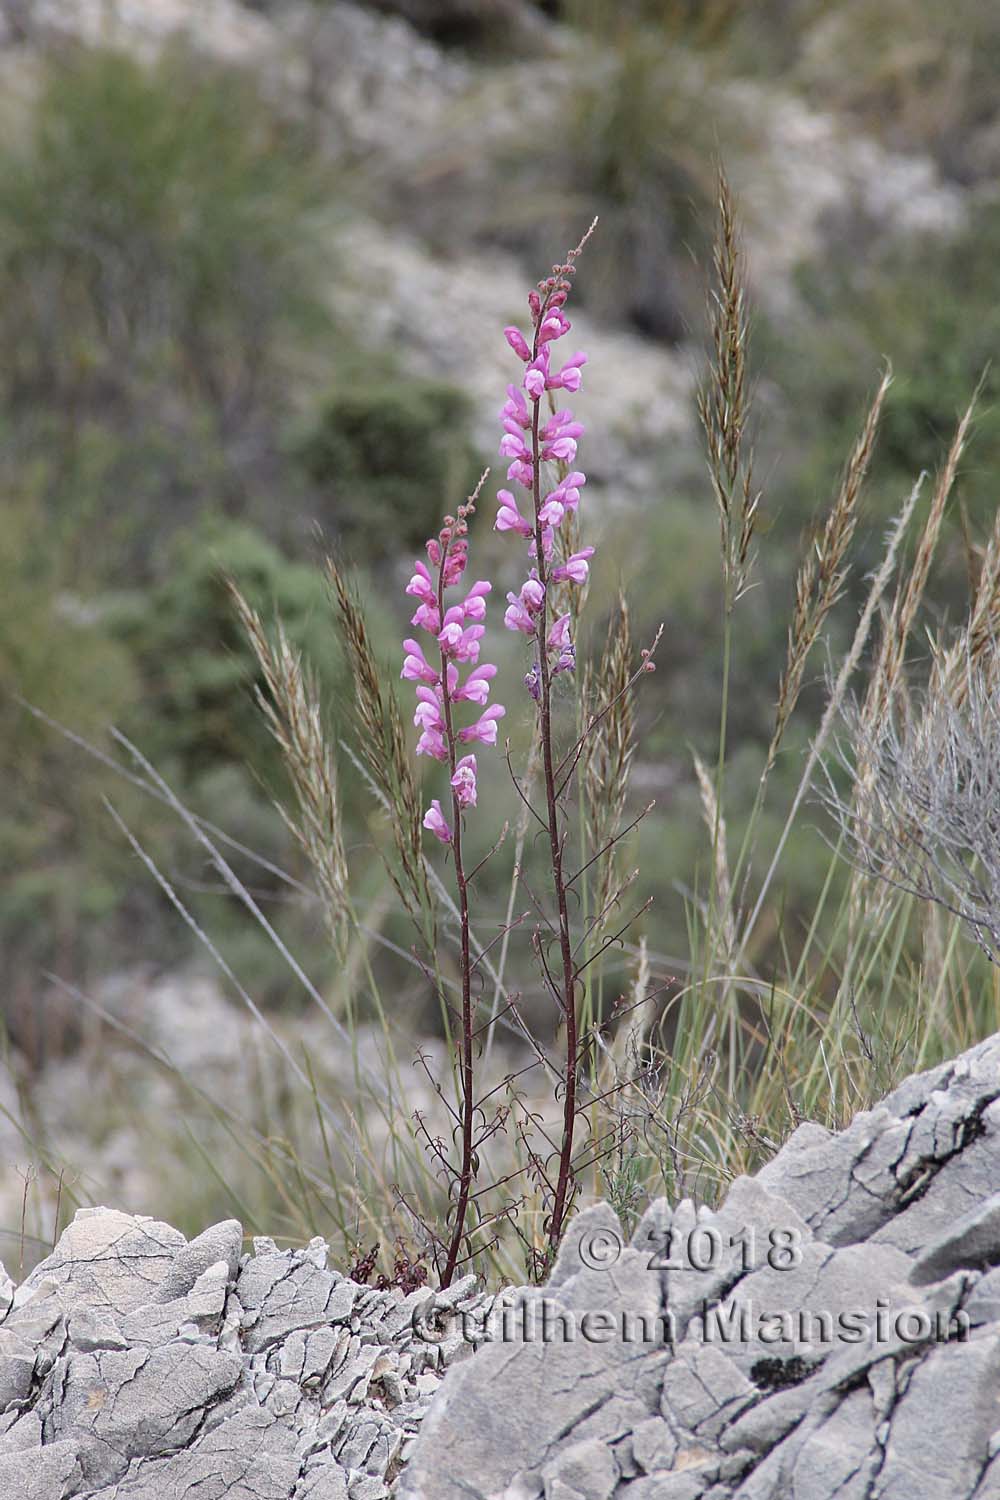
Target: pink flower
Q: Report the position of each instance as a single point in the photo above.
(575, 568)
(563, 449)
(525, 606)
(515, 411)
(536, 376)
(554, 325)
(476, 687)
(517, 342)
(516, 617)
(561, 424)
(559, 640)
(552, 512)
(427, 618)
(420, 584)
(462, 644)
(567, 660)
(485, 727)
(464, 781)
(522, 472)
(432, 743)
(454, 563)
(427, 714)
(533, 594)
(434, 821)
(509, 518)
(547, 540)
(474, 604)
(568, 492)
(569, 377)
(559, 634)
(512, 446)
(416, 668)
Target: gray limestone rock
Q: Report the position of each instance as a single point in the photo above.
(104, 1259)
(222, 1242)
(830, 1332)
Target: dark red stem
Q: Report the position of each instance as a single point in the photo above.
(468, 1096)
(568, 997)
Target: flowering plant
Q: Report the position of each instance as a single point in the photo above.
(534, 444)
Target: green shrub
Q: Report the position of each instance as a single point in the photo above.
(389, 455)
(158, 246)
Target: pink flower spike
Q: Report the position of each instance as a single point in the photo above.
(464, 781)
(476, 687)
(434, 822)
(485, 727)
(509, 517)
(575, 568)
(416, 668)
(517, 342)
(431, 742)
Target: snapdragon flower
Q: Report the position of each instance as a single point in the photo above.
(436, 823)
(457, 630)
(531, 442)
(464, 781)
(509, 517)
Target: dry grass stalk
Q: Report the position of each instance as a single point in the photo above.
(608, 752)
(888, 667)
(823, 572)
(724, 927)
(887, 693)
(383, 751)
(983, 628)
(291, 709)
(724, 401)
(838, 693)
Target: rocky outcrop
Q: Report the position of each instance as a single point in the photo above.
(136, 1366)
(831, 1332)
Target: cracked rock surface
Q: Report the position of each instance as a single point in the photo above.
(137, 1366)
(830, 1332)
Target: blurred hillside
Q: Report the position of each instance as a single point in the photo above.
(255, 259)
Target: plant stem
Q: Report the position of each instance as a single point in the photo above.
(568, 996)
(468, 1095)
